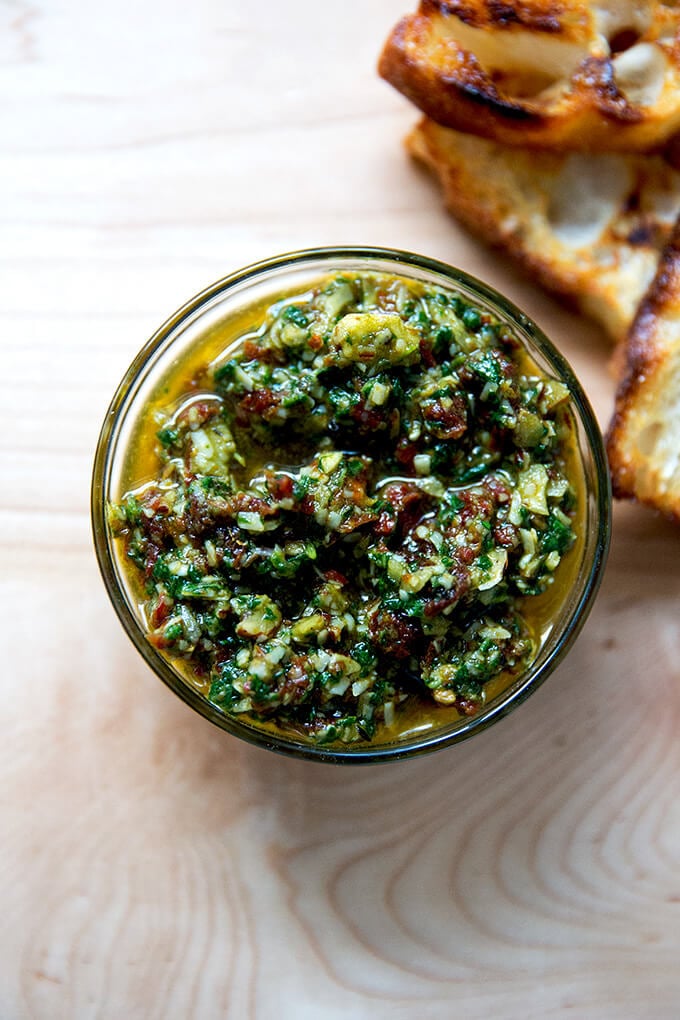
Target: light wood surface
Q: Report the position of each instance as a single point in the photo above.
(151, 866)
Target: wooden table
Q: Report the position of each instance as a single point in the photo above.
(151, 866)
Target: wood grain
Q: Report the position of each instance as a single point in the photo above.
(152, 867)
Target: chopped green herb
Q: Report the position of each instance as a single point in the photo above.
(350, 516)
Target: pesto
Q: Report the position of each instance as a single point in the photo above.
(354, 510)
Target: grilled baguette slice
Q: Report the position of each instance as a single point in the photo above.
(600, 76)
(589, 227)
(643, 443)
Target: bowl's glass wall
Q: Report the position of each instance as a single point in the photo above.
(294, 273)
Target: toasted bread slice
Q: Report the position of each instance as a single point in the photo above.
(600, 76)
(644, 438)
(589, 227)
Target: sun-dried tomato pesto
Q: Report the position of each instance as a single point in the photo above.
(354, 510)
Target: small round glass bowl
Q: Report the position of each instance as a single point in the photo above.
(185, 332)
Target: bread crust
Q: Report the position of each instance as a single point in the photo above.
(643, 442)
(590, 228)
(541, 74)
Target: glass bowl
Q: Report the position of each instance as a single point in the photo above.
(187, 330)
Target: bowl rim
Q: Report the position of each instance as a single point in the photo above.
(360, 754)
